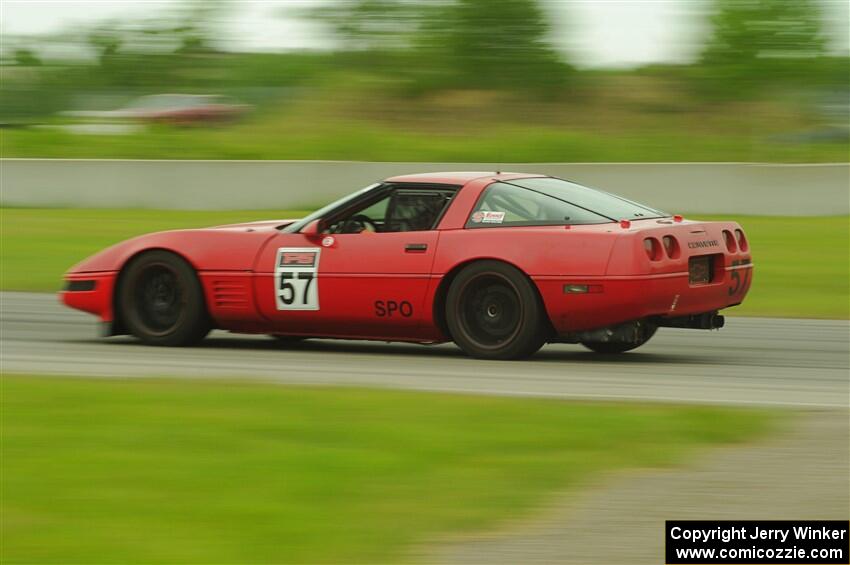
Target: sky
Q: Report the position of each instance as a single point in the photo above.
(595, 33)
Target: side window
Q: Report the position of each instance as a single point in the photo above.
(402, 210)
(376, 212)
(508, 205)
(411, 210)
(368, 218)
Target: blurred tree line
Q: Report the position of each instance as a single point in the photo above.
(758, 44)
(754, 47)
(450, 43)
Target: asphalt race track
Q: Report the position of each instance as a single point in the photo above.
(751, 361)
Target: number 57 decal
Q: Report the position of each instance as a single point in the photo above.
(739, 283)
(295, 278)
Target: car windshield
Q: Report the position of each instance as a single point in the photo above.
(602, 203)
(321, 212)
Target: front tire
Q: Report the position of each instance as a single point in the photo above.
(161, 301)
(493, 312)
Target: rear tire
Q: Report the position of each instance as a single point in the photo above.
(614, 347)
(493, 311)
(161, 301)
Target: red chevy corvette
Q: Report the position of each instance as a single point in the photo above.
(498, 263)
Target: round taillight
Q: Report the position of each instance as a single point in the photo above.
(742, 241)
(730, 241)
(653, 248)
(671, 246)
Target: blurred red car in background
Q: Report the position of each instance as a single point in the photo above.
(180, 109)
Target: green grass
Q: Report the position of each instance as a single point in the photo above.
(611, 119)
(801, 263)
(351, 113)
(97, 471)
(356, 141)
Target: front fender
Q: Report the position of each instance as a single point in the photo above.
(90, 285)
(205, 250)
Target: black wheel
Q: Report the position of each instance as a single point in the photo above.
(493, 312)
(161, 300)
(645, 333)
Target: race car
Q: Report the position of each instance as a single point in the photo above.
(499, 263)
(176, 109)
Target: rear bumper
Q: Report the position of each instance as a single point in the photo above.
(90, 292)
(617, 299)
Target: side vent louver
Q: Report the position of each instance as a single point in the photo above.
(230, 294)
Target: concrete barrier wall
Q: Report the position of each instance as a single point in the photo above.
(763, 189)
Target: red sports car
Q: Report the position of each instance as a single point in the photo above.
(499, 263)
(177, 109)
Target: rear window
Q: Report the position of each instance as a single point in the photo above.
(506, 204)
(603, 203)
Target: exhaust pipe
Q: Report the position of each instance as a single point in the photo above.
(704, 321)
(639, 331)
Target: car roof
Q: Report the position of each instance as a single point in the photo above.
(457, 177)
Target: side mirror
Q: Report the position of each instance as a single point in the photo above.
(313, 229)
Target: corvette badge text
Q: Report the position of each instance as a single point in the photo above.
(703, 244)
(296, 278)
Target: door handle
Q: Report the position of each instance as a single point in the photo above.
(416, 248)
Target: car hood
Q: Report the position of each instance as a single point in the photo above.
(262, 224)
(231, 247)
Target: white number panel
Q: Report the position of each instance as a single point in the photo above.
(296, 278)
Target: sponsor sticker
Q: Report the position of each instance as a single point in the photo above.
(296, 278)
(488, 217)
(297, 258)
